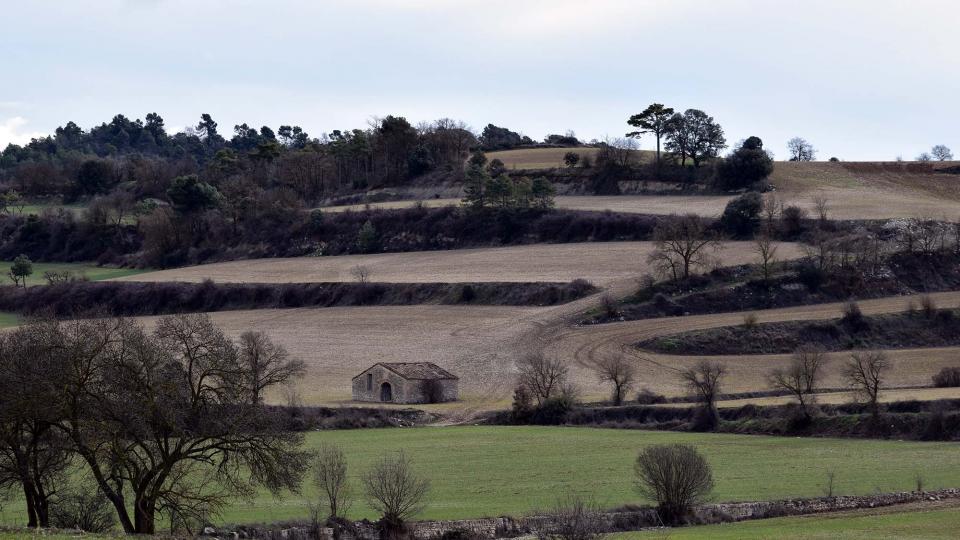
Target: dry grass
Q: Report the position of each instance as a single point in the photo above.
(849, 195)
(599, 262)
(548, 158)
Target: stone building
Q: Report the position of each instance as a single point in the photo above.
(405, 382)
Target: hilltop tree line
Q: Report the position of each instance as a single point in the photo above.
(141, 156)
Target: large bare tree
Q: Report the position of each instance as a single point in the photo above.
(800, 377)
(267, 363)
(33, 455)
(682, 244)
(543, 377)
(865, 373)
(164, 422)
(620, 372)
(703, 382)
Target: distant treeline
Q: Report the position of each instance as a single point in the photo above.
(142, 158)
(133, 298)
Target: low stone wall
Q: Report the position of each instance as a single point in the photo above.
(628, 520)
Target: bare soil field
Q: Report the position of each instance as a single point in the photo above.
(600, 263)
(480, 345)
(476, 343)
(658, 372)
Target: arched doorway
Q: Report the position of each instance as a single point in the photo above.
(386, 392)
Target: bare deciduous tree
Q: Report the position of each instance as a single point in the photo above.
(772, 208)
(267, 363)
(865, 373)
(543, 377)
(330, 479)
(620, 372)
(703, 381)
(682, 244)
(394, 490)
(34, 456)
(767, 252)
(941, 152)
(801, 375)
(676, 476)
(822, 207)
(801, 150)
(360, 273)
(174, 409)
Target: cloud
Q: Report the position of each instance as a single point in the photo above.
(10, 132)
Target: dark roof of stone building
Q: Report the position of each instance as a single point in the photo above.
(415, 370)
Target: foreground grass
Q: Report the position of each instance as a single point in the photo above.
(491, 471)
(90, 270)
(915, 523)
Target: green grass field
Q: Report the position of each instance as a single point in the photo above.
(92, 271)
(935, 523)
(491, 471)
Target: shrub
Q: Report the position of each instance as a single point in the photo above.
(649, 397)
(811, 276)
(928, 306)
(792, 218)
(948, 377)
(553, 411)
(571, 518)
(609, 304)
(750, 321)
(741, 217)
(853, 316)
(83, 508)
(676, 476)
(395, 491)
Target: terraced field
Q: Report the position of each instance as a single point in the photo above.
(598, 262)
(850, 195)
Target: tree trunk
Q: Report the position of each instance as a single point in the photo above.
(31, 506)
(143, 515)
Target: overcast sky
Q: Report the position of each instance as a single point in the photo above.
(860, 79)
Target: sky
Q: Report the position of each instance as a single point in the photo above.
(859, 79)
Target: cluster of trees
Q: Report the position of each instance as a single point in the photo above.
(939, 152)
(691, 134)
(165, 423)
(141, 156)
(489, 185)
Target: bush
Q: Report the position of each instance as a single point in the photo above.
(948, 377)
(853, 317)
(747, 167)
(741, 217)
(83, 508)
(811, 276)
(649, 397)
(750, 321)
(792, 218)
(553, 411)
(676, 476)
